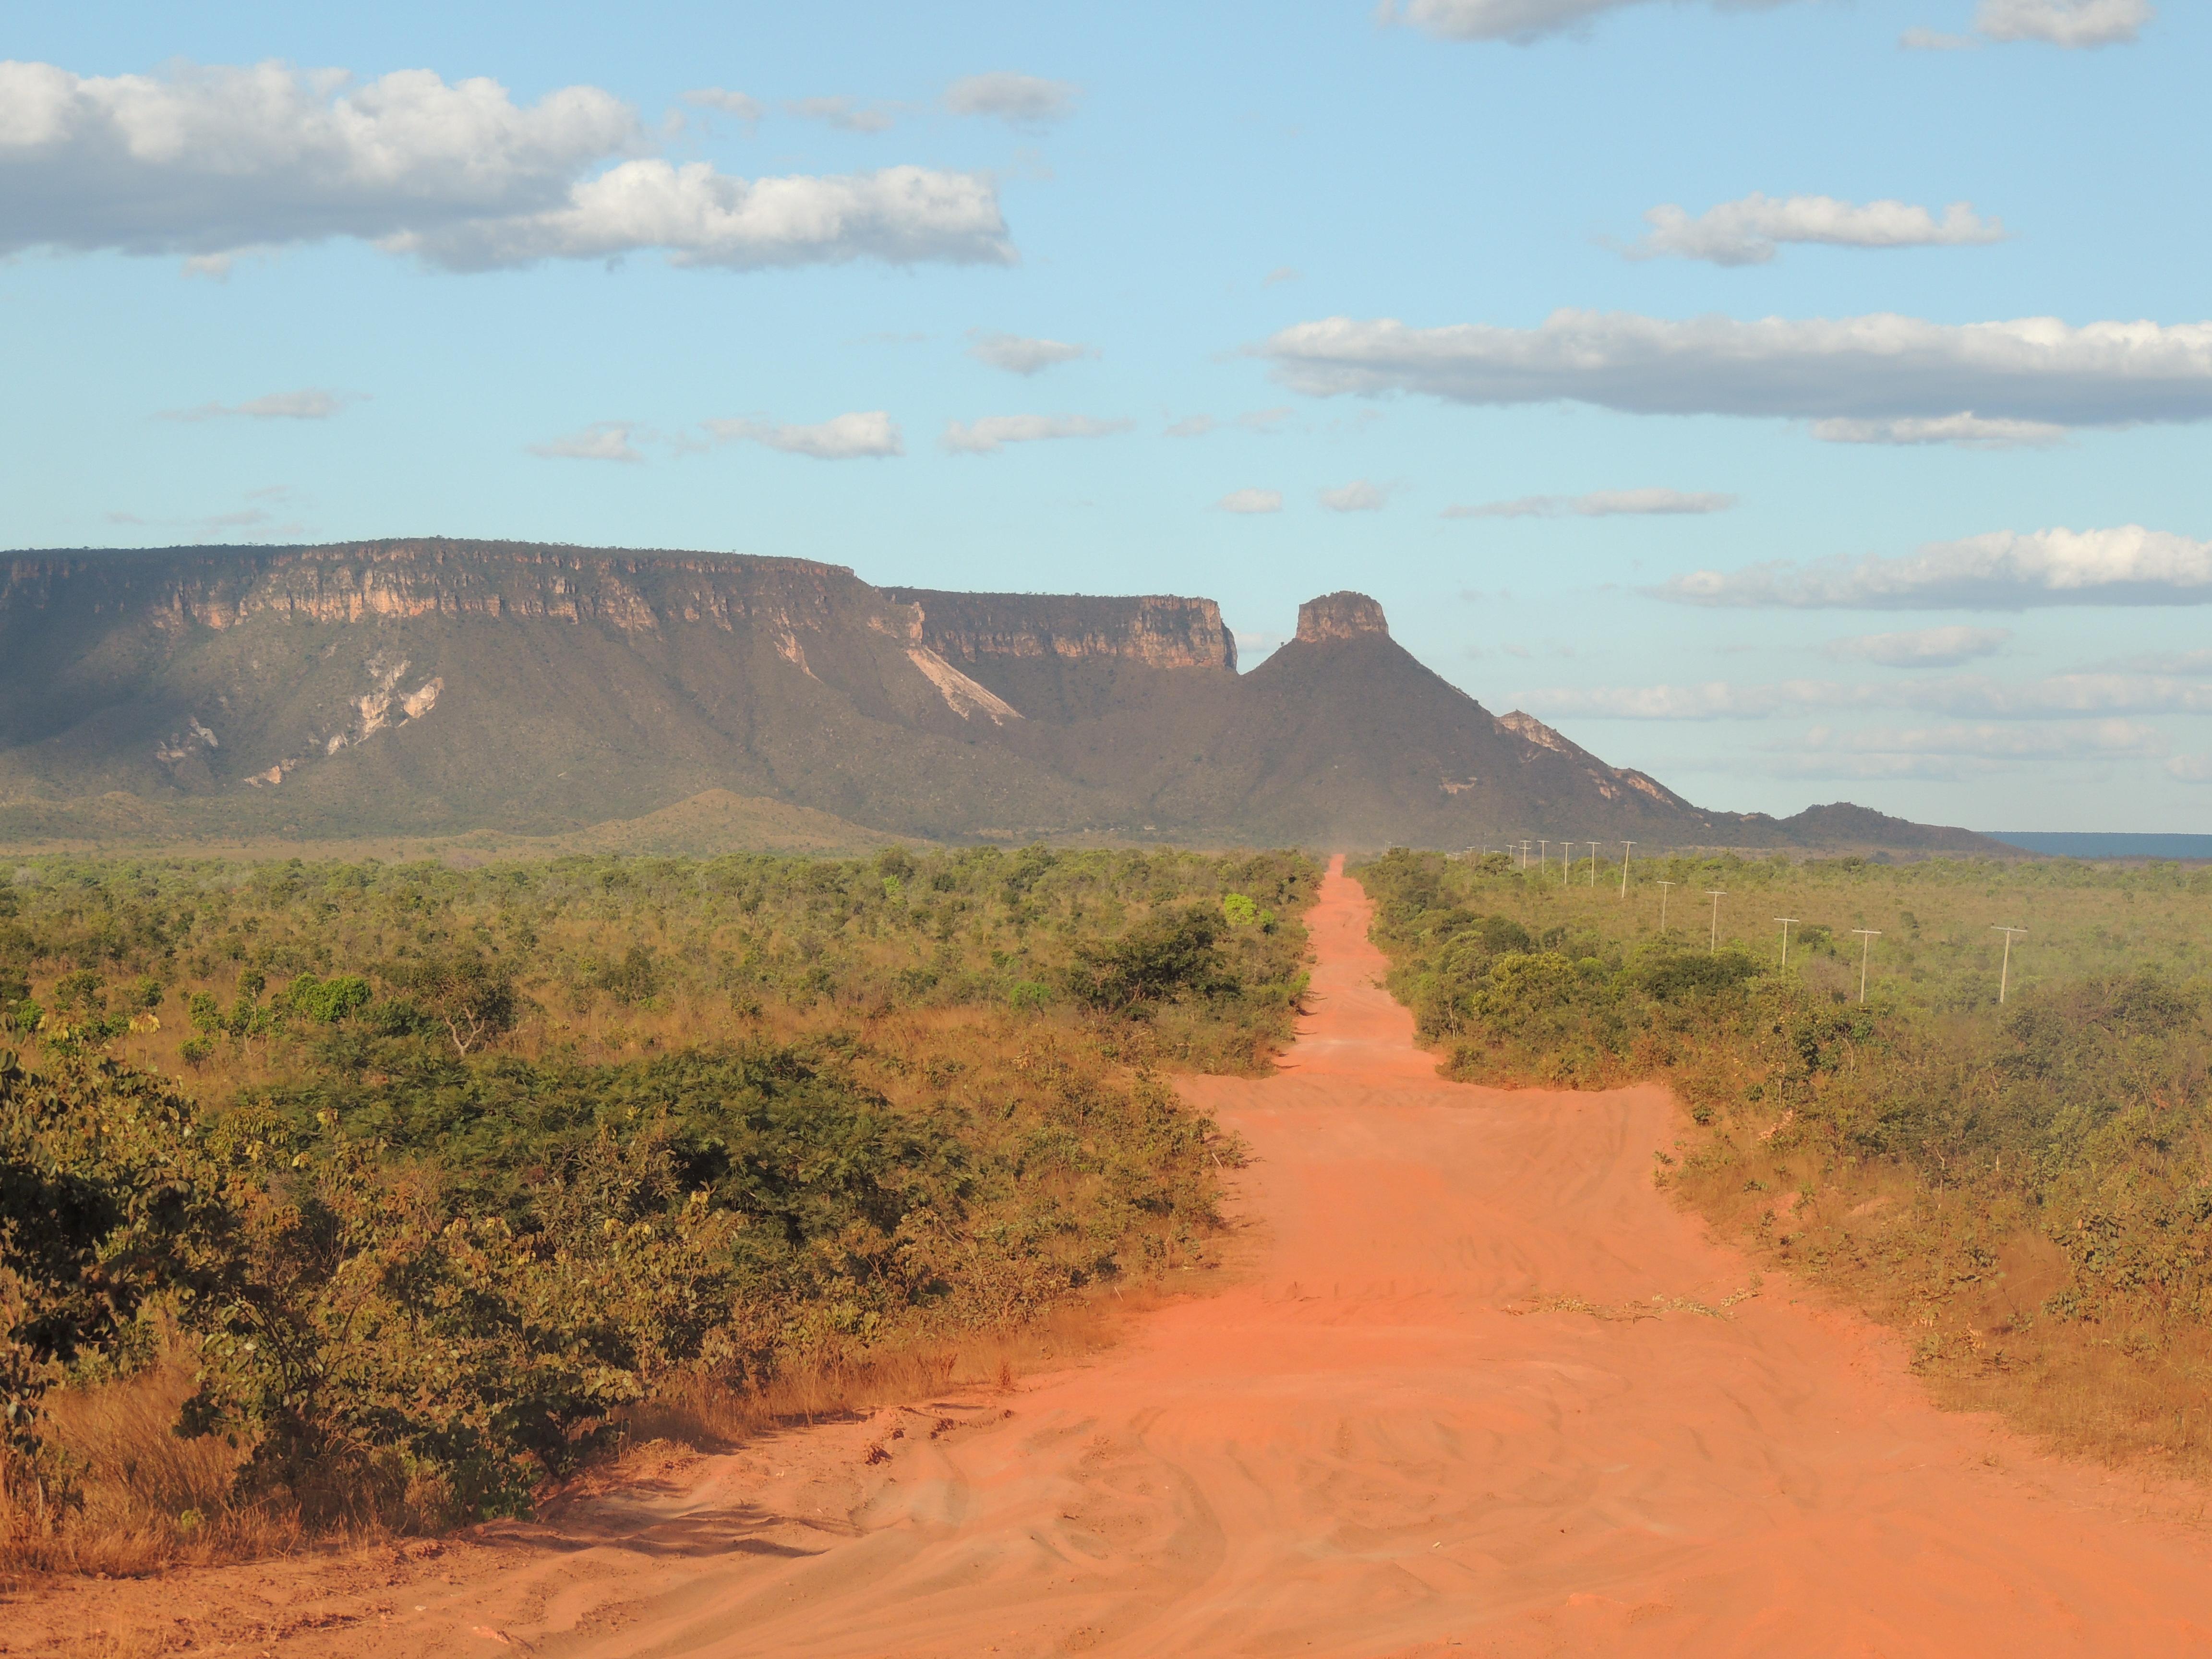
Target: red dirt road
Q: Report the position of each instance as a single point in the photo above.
(1406, 1431)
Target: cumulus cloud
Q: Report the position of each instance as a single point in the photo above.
(207, 162)
(1261, 420)
(987, 435)
(1920, 648)
(1748, 231)
(1599, 504)
(1519, 20)
(1963, 431)
(859, 436)
(1358, 496)
(1251, 500)
(697, 217)
(1024, 100)
(2171, 662)
(1962, 696)
(748, 110)
(2191, 768)
(2063, 22)
(602, 440)
(1019, 354)
(1956, 751)
(310, 404)
(846, 114)
(2004, 570)
(1875, 368)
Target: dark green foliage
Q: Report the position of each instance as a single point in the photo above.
(327, 1001)
(1569, 1006)
(473, 998)
(108, 1198)
(1155, 961)
(420, 1254)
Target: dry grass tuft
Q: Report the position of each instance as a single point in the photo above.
(145, 1497)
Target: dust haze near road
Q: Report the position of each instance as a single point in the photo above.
(1479, 1388)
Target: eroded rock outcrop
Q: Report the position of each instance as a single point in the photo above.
(1157, 630)
(1340, 615)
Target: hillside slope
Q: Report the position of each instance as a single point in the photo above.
(433, 686)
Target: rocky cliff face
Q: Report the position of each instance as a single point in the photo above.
(432, 686)
(1156, 630)
(1343, 615)
(223, 587)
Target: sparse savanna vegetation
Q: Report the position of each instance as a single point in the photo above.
(354, 1196)
(2023, 1189)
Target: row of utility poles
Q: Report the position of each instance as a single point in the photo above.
(1866, 936)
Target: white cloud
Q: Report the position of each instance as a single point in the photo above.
(2063, 22)
(1518, 21)
(1958, 696)
(1018, 355)
(1026, 100)
(1873, 367)
(1746, 231)
(310, 404)
(1358, 496)
(1281, 274)
(697, 217)
(1947, 752)
(862, 435)
(1599, 504)
(602, 440)
(1966, 431)
(846, 114)
(1261, 420)
(2004, 570)
(2191, 768)
(1251, 500)
(748, 110)
(1920, 648)
(1927, 39)
(2171, 662)
(985, 436)
(2110, 736)
(208, 162)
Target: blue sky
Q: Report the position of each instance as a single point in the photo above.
(1101, 275)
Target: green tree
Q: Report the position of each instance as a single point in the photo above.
(472, 997)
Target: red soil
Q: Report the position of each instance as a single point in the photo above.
(1482, 1389)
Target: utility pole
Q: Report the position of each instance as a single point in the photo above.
(2005, 972)
(1713, 946)
(1866, 949)
(1625, 846)
(1786, 921)
(1544, 855)
(1663, 886)
(1594, 845)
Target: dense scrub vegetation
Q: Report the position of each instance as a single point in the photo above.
(2025, 1188)
(407, 1182)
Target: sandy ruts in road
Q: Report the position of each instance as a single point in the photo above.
(1397, 1436)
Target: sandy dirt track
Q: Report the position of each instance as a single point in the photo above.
(1400, 1433)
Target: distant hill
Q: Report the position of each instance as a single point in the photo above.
(434, 687)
